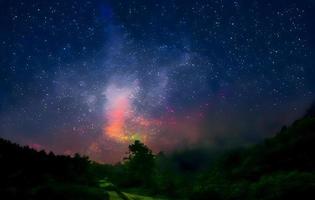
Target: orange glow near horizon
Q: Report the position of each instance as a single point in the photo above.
(116, 117)
(123, 123)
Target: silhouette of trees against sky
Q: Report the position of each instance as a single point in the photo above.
(140, 164)
(281, 167)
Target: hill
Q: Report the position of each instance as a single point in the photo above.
(282, 167)
(28, 174)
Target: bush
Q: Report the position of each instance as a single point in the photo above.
(292, 185)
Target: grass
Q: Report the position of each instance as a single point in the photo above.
(115, 194)
(70, 192)
(140, 197)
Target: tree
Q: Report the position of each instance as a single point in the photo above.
(140, 164)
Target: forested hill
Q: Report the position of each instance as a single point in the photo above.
(28, 174)
(282, 167)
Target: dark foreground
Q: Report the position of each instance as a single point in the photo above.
(281, 167)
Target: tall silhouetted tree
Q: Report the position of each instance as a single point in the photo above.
(140, 164)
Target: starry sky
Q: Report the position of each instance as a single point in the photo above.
(91, 76)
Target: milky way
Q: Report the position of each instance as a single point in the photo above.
(92, 76)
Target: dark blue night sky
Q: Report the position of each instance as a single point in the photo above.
(91, 76)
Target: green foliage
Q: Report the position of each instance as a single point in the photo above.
(284, 185)
(63, 191)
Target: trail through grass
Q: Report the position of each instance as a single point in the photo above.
(115, 194)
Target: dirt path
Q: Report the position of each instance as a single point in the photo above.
(127, 196)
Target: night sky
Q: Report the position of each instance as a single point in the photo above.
(91, 76)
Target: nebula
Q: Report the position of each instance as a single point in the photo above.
(118, 109)
(123, 122)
